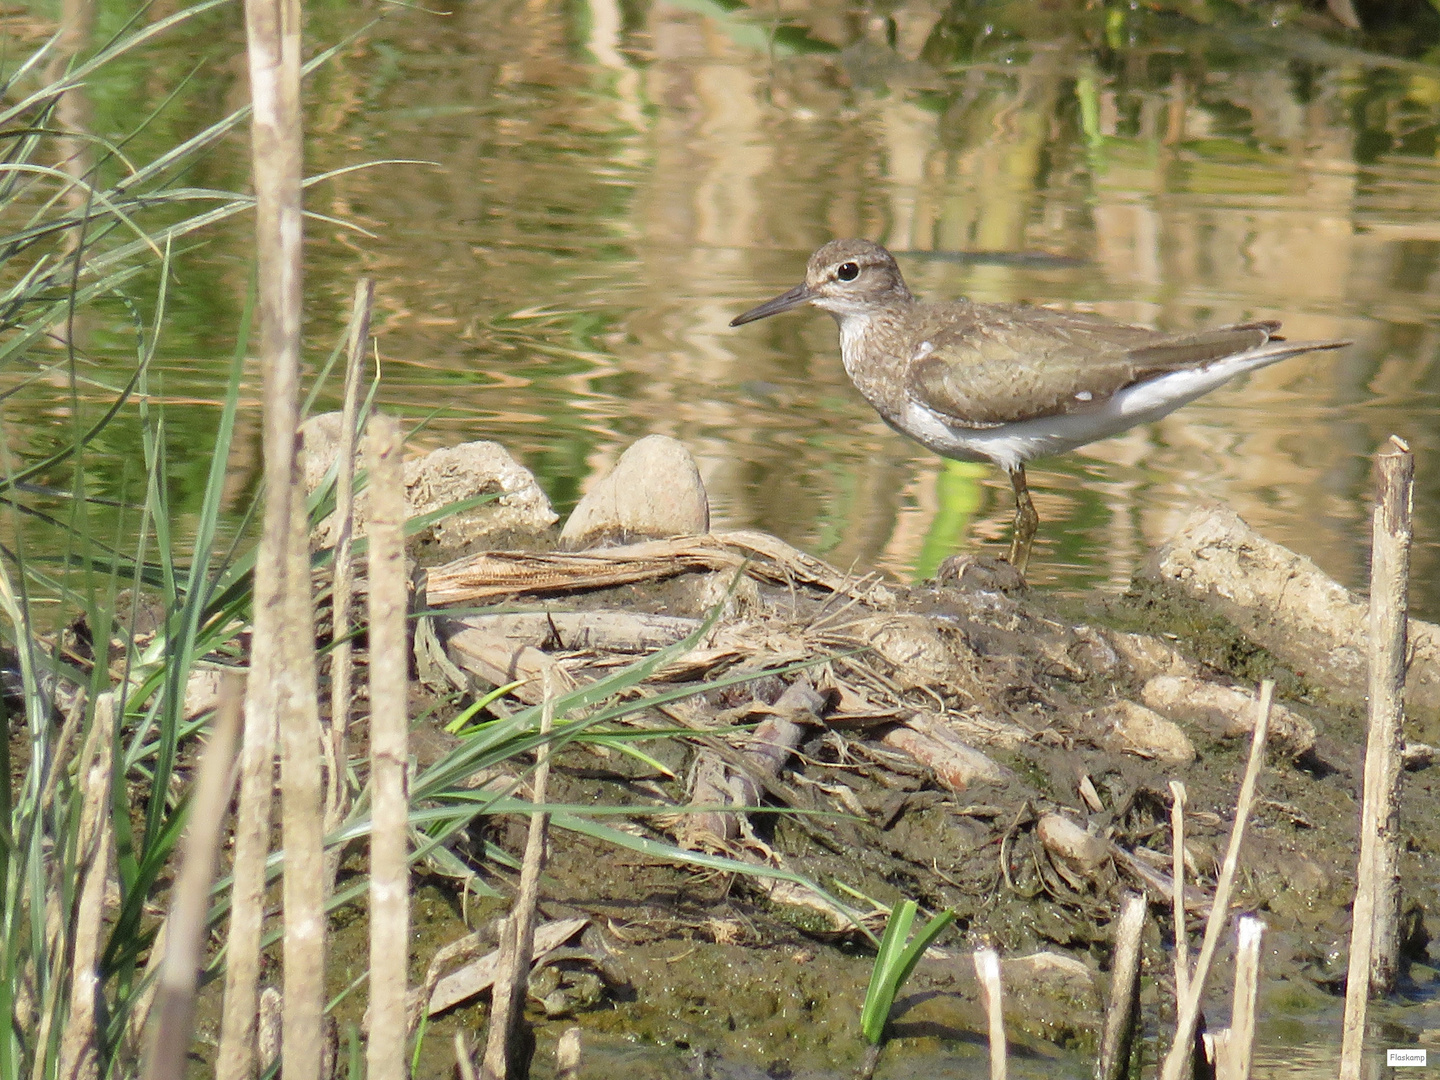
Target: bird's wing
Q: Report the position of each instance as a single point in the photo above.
(986, 365)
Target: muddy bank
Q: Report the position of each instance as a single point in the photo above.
(965, 743)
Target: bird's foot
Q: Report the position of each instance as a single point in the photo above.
(980, 573)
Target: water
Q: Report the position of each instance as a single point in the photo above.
(648, 173)
(611, 182)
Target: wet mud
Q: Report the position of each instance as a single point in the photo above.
(699, 972)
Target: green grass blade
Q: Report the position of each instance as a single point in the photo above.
(880, 994)
(922, 941)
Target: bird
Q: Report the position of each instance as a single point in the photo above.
(1010, 382)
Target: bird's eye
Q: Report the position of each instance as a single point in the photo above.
(847, 271)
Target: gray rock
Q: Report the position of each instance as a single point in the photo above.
(438, 479)
(454, 473)
(654, 491)
(319, 443)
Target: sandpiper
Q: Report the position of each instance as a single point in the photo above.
(1009, 382)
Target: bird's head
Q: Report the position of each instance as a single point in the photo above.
(846, 278)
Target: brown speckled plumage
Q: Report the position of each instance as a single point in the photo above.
(1010, 382)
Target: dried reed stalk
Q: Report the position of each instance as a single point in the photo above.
(987, 970)
(1177, 898)
(389, 725)
(1120, 1017)
(190, 901)
(302, 815)
(464, 1063)
(94, 844)
(1234, 1045)
(1188, 1007)
(282, 682)
(508, 997)
(268, 1036)
(342, 524)
(1374, 933)
(235, 1059)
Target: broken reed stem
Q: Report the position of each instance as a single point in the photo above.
(337, 800)
(567, 1055)
(508, 997)
(987, 970)
(389, 725)
(190, 901)
(1124, 1008)
(267, 1028)
(79, 1044)
(1177, 890)
(463, 1061)
(59, 756)
(1374, 933)
(282, 682)
(1234, 1049)
(1188, 1009)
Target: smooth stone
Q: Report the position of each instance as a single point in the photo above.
(654, 492)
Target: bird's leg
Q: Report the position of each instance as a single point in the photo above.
(1026, 520)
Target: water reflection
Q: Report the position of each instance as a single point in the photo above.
(614, 180)
(714, 146)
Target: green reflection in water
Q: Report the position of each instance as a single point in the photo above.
(958, 495)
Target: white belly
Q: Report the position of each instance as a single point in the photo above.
(1009, 445)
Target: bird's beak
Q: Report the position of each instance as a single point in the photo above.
(800, 294)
